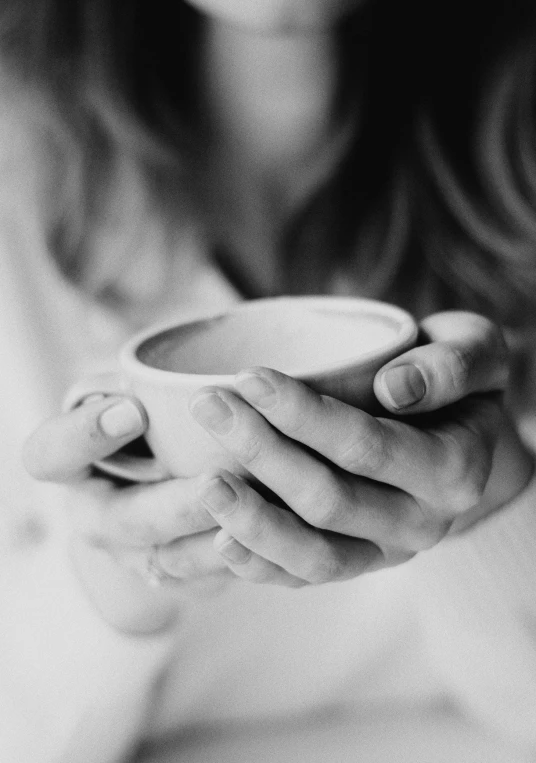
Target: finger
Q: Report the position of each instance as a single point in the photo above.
(467, 353)
(252, 567)
(139, 516)
(302, 481)
(320, 495)
(329, 498)
(470, 437)
(190, 558)
(380, 449)
(281, 537)
(64, 446)
(193, 559)
(430, 464)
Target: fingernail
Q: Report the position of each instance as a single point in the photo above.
(219, 496)
(403, 386)
(212, 413)
(256, 389)
(123, 419)
(234, 551)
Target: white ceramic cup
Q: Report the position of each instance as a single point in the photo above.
(336, 345)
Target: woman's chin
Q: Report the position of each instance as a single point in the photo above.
(277, 16)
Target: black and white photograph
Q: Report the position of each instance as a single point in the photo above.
(267, 381)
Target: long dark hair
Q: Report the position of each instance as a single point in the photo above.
(437, 196)
(432, 205)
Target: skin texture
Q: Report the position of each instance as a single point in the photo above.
(383, 489)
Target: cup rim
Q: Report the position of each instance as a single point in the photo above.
(404, 337)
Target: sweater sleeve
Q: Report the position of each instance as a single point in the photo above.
(478, 606)
(68, 682)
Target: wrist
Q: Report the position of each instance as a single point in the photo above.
(123, 600)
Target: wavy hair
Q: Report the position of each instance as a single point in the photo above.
(432, 205)
(435, 205)
(108, 131)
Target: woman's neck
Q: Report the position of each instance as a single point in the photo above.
(274, 97)
(272, 105)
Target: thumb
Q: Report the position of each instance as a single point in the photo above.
(465, 354)
(65, 446)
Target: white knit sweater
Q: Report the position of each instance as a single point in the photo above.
(432, 661)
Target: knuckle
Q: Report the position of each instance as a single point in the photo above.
(297, 420)
(458, 363)
(250, 449)
(324, 504)
(252, 529)
(366, 452)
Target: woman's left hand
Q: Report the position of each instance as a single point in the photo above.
(365, 492)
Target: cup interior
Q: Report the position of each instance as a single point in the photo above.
(295, 336)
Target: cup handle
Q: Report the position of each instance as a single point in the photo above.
(135, 461)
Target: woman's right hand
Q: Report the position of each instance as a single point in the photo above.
(139, 549)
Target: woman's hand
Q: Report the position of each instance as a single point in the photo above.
(364, 492)
(126, 539)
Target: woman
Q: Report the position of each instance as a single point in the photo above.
(220, 150)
